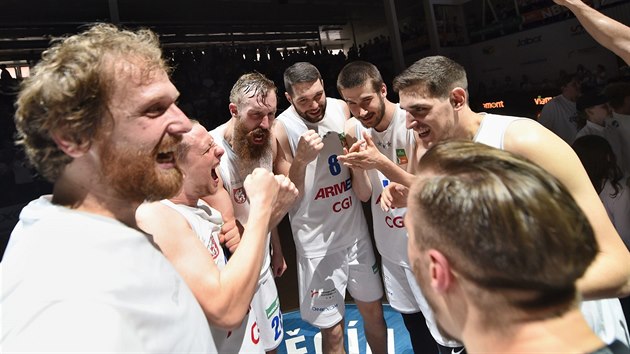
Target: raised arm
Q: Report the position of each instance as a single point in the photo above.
(224, 295)
(309, 146)
(609, 274)
(611, 34)
(360, 180)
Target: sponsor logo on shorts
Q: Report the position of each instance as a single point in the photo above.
(324, 309)
(272, 308)
(459, 350)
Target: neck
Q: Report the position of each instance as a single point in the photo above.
(388, 116)
(469, 123)
(568, 333)
(228, 133)
(84, 191)
(185, 198)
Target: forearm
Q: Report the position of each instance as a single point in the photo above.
(276, 245)
(395, 174)
(361, 184)
(241, 273)
(609, 33)
(297, 173)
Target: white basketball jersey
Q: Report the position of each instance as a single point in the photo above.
(329, 217)
(604, 316)
(398, 144)
(206, 223)
(233, 183)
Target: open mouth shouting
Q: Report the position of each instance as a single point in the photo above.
(215, 176)
(259, 136)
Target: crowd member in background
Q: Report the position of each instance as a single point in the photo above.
(98, 118)
(434, 93)
(592, 111)
(383, 152)
(224, 288)
(333, 245)
(618, 94)
(560, 114)
(611, 34)
(502, 278)
(607, 178)
(249, 144)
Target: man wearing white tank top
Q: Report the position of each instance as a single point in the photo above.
(497, 244)
(223, 288)
(249, 143)
(330, 232)
(434, 93)
(384, 153)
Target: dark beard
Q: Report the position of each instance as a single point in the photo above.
(135, 175)
(310, 119)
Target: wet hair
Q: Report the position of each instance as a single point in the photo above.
(437, 75)
(357, 73)
(298, 73)
(68, 90)
(600, 162)
(250, 85)
(504, 223)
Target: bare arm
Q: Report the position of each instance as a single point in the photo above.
(278, 263)
(607, 276)
(360, 180)
(309, 146)
(611, 34)
(284, 201)
(224, 295)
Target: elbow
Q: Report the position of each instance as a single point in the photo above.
(226, 320)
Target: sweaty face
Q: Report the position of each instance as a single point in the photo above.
(366, 105)
(252, 129)
(201, 162)
(137, 153)
(309, 100)
(432, 118)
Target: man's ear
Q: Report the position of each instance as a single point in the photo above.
(286, 94)
(69, 145)
(440, 271)
(233, 109)
(383, 90)
(458, 98)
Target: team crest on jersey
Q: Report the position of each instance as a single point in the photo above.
(239, 195)
(214, 248)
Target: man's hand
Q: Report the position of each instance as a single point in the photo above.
(261, 187)
(363, 154)
(287, 194)
(230, 235)
(309, 146)
(394, 196)
(278, 263)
